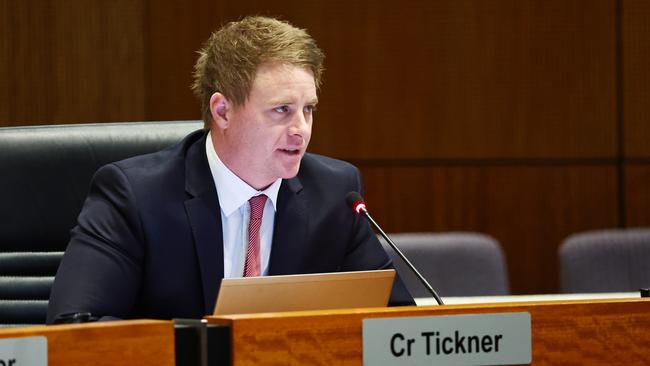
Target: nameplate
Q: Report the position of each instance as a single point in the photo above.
(23, 351)
(473, 339)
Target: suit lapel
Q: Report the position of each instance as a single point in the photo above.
(204, 215)
(290, 229)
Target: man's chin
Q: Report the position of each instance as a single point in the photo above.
(290, 172)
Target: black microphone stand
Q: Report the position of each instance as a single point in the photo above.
(399, 252)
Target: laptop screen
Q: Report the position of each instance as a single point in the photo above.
(317, 291)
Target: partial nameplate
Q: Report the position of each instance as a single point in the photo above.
(473, 339)
(23, 351)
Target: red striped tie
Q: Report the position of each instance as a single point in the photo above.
(253, 265)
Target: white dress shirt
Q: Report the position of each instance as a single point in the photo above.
(234, 194)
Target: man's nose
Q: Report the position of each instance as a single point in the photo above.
(299, 124)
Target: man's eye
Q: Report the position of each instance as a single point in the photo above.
(310, 109)
(282, 109)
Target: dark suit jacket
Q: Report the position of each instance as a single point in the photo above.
(149, 242)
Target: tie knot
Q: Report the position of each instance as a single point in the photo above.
(257, 206)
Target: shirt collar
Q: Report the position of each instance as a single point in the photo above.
(231, 190)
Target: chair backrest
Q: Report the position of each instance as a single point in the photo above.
(455, 264)
(46, 171)
(605, 261)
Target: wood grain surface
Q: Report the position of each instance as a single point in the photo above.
(636, 78)
(528, 209)
(133, 343)
(443, 79)
(72, 61)
(637, 189)
(603, 332)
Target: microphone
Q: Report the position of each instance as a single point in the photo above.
(355, 201)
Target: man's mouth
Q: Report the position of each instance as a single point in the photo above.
(290, 151)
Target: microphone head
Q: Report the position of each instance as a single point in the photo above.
(355, 201)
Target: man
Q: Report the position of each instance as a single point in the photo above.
(158, 232)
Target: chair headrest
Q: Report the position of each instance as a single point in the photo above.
(46, 171)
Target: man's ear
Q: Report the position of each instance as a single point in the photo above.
(220, 109)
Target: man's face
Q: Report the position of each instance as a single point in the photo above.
(266, 137)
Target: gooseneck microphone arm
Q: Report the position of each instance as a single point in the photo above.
(355, 201)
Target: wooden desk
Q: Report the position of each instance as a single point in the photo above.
(133, 342)
(579, 332)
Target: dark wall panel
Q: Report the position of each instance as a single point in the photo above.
(637, 188)
(444, 79)
(175, 32)
(72, 61)
(636, 81)
(472, 78)
(529, 209)
(5, 41)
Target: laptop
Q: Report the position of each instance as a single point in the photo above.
(317, 291)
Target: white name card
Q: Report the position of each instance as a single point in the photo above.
(30, 351)
(474, 339)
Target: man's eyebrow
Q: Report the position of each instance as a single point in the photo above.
(289, 101)
(280, 101)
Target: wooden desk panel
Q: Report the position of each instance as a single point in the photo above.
(133, 342)
(602, 332)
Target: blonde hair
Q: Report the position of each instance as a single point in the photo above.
(229, 59)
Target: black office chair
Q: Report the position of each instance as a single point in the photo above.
(454, 263)
(616, 260)
(46, 171)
